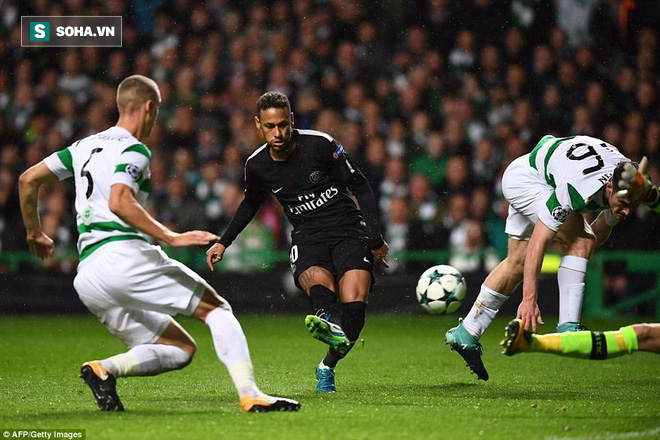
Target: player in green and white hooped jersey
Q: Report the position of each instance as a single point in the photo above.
(547, 190)
(133, 287)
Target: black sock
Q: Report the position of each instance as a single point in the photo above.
(323, 300)
(353, 317)
(352, 321)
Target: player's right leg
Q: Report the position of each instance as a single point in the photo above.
(232, 350)
(579, 242)
(173, 350)
(121, 299)
(496, 289)
(319, 284)
(583, 344)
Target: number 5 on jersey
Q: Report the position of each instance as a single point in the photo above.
(87, 175)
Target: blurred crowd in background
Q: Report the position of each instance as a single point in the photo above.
(432, 99)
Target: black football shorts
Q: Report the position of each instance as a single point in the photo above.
(338, 256)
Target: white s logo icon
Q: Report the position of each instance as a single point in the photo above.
(40, 31)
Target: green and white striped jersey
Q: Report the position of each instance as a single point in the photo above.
(577, 168)
(96, 163)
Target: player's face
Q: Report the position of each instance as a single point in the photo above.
(620, 207)
(276, 126)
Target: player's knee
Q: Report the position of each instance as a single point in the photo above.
(180, 358)
(515, 267)
(210, 301)
(645, 332)
(190, 348)
(583, 245)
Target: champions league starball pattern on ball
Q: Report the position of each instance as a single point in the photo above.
(441, 289)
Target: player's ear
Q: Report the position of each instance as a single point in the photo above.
(257, 122)
(609, 189)
(291, 119)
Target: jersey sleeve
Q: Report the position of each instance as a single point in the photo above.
(132, 168)
(60, 163)
(254, 198)
(334, 154)
(563, 200)
(352, 177)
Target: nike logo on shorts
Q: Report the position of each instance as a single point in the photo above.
(275, 191)
(366, 260)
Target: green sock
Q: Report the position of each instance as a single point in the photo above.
(587, 345)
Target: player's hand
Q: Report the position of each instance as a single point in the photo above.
(634, 184)
(193, 238)
(214, 254)
(529, 313)
(41, 245)
(381, 253)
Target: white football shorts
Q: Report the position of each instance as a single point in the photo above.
(527, 194)
(134, 289)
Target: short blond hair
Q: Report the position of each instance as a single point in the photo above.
(134, 91)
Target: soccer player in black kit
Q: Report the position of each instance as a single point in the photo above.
(332, 242)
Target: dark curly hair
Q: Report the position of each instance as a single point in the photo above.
(273, 99)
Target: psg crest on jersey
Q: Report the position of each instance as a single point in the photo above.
(316, 176)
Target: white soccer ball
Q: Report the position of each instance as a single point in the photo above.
(441, 289)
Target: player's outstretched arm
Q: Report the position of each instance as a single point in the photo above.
(40, 244)
(123, 204)
(528, 310)
(350, 175)
(244, 214)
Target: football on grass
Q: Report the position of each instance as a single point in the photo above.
(441, 289)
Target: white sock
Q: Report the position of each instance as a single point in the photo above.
(483, 311)
(570, 278)
(232, 349)
(147, 360)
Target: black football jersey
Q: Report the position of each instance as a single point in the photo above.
(313, 185)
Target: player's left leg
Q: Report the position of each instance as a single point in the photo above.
(579, 242)
(232, 349)
(648, 337)
(353, 263)
(496, 289)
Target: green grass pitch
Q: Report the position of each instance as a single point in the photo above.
(401, 382)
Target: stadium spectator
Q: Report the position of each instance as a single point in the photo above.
(397, 230)
(394, 183)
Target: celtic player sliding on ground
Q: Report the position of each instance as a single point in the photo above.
(583, 344)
